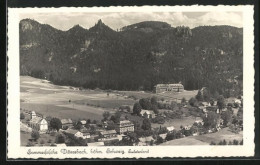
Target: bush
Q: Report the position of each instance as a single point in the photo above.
(52, 144)
(60, 139)
(22, 116)
(29, 144)
(35, 135)
(192, 101)
(52, 133)
(212, 143)
(159, 120)
(49, 141)
(42, 141)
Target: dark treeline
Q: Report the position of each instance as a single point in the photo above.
(136, 57)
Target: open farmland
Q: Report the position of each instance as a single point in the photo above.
(165, 95)
(66, 102)
(206, 139)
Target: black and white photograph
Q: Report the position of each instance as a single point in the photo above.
(137, 78)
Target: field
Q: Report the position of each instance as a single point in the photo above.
(207, 138)
(166, 95)
(48, 99)
(66, 102)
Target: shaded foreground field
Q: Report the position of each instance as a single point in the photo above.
(66, 102)
(207, 138)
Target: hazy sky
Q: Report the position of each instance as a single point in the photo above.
(65, 21)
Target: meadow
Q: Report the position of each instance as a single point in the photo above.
(206, 139)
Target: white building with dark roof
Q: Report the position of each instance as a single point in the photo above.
(124, 126)
(38, 123)
(159, 88)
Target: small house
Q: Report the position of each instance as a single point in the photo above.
(66, 123)
(163, 136)
(170, 129)
(145, 141)
(70, 132)
(83, 122)
(108, 134)
(147, 113)
(38, 123)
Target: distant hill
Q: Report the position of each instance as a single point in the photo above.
(136, 57)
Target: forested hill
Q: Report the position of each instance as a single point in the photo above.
(134, 57)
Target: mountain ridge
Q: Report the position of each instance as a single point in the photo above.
(131, 59)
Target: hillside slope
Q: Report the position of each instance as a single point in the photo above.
(136, 57)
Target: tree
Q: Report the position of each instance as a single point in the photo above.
(211, 101)
(35, 135)
(137, 109)
(192, 101)
(88, 121)
(226, 116)
(42, 142)
(117, 117)
(106, 115)
(211, 120)
(126, 117)
(146, 124)
(131, 139)
(199, 96)
(154, 100)
(159, 140)
(221, 102)
(111, 125)
(145, 103)
(206, 95)
(183, 100)
(154, 108)
(55, 123)
(22, 116)
(60, 139)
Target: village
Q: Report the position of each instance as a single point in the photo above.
(149, 121)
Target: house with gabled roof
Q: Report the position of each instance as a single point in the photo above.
(66, 123)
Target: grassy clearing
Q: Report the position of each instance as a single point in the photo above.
(207, 138)
(221, 135)
(109, 103)
(167, 95)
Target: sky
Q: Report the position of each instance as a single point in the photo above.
(117, 20)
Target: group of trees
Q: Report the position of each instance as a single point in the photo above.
(146, 103)
(224, 142)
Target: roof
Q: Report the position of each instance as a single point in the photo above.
(148, 112)
(171, 128)
(66, 121)
(61, 145)
(163, 136)
(71, 131)
(83, 122)
(108, 132)
(169, 85)
(146, 139)
(125, 123)
(36, 120)
(96, 144)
